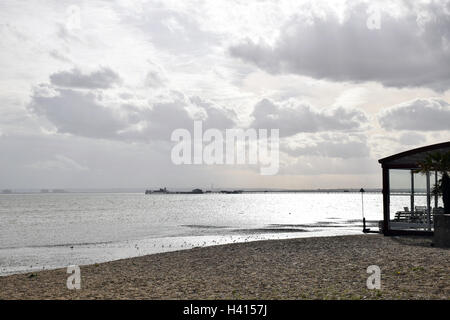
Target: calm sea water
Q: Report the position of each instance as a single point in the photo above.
(44, 231)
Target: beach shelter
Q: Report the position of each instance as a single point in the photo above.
(410, 199)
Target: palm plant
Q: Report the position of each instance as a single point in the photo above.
(439, 162)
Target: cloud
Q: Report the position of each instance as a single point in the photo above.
(214, 116)
(60, 163)
(329, 145)
(77, 113)
(411, 47)
(411, 138)
(59, 56)
(315, 165)
(419, 115)
(154, 80)
(157, 122)
(172, 30)
(292, 117)
(87, 114)
(100, 79)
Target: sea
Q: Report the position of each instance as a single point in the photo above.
(53, 230)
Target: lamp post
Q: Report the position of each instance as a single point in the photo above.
(362, 209)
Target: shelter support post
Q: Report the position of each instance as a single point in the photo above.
(386, 205)
(428, 201)
(412, 192)
(436, 192)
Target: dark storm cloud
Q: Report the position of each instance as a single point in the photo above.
(100, 79)
(408, 51)
(419, 114)
(295, 117)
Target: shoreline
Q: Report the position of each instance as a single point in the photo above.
(297, 268)
(35, 259)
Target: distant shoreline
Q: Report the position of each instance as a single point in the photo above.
(189, 192)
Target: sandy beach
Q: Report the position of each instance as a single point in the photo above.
(307, 268)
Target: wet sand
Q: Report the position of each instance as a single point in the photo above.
(304, 268)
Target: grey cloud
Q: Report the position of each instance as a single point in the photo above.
(164, 117)
(406, 51)
(315, 165)
(411, 138)
(82, 114)
(419, 114)
(157, 122)
(216, 117)
(59, 56)
(154, 79)
(294, 117)
(333, 146)
(59, 163)
(101, 79)
(77, 113)
(156, 76)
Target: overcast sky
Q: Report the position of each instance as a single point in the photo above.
(90, 91)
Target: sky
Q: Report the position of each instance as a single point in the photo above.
(91, 91)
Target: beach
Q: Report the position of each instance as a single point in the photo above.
(304, 268)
